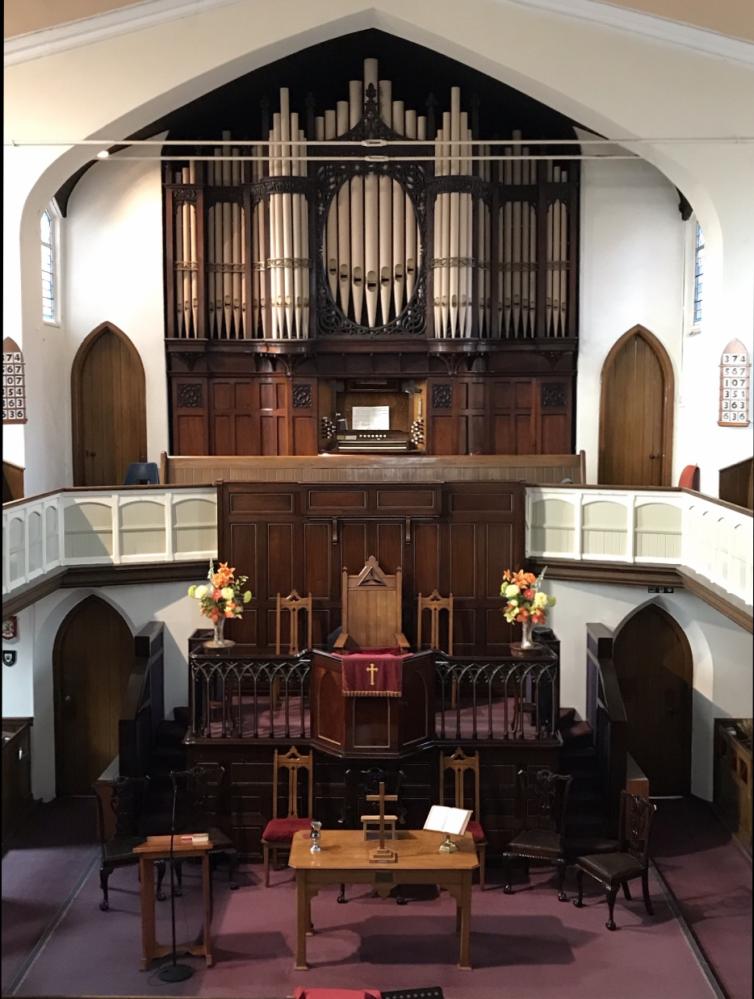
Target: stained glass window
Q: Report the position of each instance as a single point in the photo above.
(47, 236)
(698, 275)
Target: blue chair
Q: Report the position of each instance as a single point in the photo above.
(142, 473)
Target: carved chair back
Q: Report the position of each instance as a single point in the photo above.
(120, 808)
(435, 603)
(636, 815)
(202, 791)
(372, 606)
(294, 604)
(548, 802)
(460, 764)
(297, 767)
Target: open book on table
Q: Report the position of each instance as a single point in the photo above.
(452, 821)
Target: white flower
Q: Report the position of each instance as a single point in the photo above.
(511, 590)
(192, 590)
(541, 601)
(201, 591)
(227, 592)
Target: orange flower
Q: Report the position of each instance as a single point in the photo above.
(229, 613)
(529, 594)
(214, 615)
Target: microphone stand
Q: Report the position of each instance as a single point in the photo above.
(173, 972)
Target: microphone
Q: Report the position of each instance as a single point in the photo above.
(174, 972)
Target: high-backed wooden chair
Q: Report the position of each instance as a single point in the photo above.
(278, 832)
(371, 615)
(294, 604)
(460, 764)
(435, 603)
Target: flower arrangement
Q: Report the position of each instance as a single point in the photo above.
(223, 596)
(525, 603)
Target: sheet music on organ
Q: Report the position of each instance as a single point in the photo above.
(452, 821)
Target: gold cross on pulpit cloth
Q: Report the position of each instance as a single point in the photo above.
(371, 670)
(382, 855)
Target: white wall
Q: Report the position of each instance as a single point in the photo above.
(722, 654)
(632, 260)
(166, 602)
(18, 680)
(113, 272)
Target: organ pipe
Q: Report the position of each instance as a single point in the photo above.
(257, 266)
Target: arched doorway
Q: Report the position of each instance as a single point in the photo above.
(654, 664)
(109, 409)
(636, 412)
(92, 659)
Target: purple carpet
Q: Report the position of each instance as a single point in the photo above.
(524, 945)
(710, 878)
(39, 877)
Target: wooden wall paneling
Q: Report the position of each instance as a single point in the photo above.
(442, 419)
(552, 399)
(273, 416)
(304, 420)
(190, 415)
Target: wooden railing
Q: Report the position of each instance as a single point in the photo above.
(248, 698)
(204, 469)
(144, 705)
(497, 699)
(606, 713)
(267, 697)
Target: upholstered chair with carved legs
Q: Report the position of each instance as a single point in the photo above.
(543, 815)
(279, 832)
(613, 870)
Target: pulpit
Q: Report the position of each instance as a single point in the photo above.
(371, 695)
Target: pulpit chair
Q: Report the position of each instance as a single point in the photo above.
(631, 860)
(294, 604)
(435, 603)
(459, 763)
(371, 609)
(546, 839)
(279, 832)
(121, 815)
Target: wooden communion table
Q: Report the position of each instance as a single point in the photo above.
(345, 859)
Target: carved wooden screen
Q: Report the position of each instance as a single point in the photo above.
(451, 537)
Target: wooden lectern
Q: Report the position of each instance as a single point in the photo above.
(158, 848)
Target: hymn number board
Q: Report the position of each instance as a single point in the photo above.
(14, 389)
(735, 380)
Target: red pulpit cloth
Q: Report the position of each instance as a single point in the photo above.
(373, 674)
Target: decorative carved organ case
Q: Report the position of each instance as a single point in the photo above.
(372, 241)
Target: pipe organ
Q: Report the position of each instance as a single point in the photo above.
(247, 263)
(368, 229)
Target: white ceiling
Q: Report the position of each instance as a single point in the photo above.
(734, 18)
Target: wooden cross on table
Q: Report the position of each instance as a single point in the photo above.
(382, 855)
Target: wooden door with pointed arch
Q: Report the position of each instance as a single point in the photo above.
(654, 664)
(109, 409)
(92, 661)
(636, 412)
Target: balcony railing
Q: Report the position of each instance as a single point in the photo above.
(672, 527)
(134, 524)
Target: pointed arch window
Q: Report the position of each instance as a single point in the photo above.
(698, 301)
(49, 246)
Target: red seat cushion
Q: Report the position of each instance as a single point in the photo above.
(476, 831)
(690, 478)
(282, 830)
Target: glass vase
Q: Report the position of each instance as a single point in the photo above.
(526, 642)
(218, 641)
